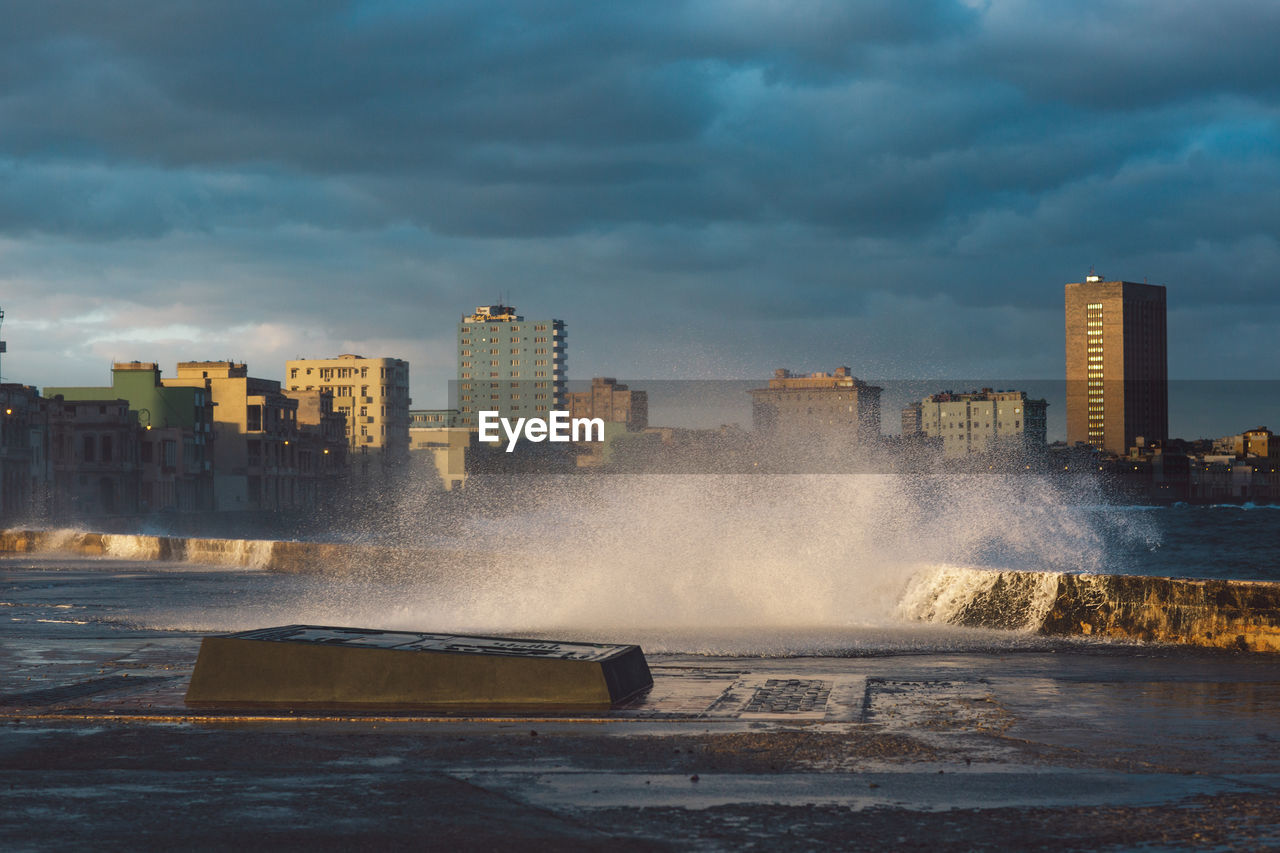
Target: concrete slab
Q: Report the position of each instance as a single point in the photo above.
(308, 666)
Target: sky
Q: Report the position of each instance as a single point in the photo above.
(700, 189)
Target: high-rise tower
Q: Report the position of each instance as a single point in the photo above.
(510, 365)
(1117, 363)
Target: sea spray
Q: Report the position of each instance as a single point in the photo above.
(963, 595)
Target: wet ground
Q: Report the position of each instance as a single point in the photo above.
(1069, 746)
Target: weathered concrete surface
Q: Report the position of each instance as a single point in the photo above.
(1225, 614)
(1108, 748)
(1042, 743)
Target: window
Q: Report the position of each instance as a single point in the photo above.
(88, 448)
(106, 448)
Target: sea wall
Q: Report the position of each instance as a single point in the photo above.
(271, 555)
(1225, 614)
(1242, 615)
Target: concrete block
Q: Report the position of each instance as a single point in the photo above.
(309, 666)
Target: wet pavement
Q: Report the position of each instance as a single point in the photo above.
(1073, 747)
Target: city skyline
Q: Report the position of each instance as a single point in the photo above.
(901, 189)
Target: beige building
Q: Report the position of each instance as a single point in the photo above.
(255, 447)
(1257, 442)
(438, 440)
(373, 393)
(980, 421)
(1117, 364)
(611, 402)
(827, 407)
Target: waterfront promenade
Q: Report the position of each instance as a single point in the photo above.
(1059, 744)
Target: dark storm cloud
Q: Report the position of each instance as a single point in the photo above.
(863, 168)
(878, 118)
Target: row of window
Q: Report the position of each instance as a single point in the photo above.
(466, 386)
(514, 374)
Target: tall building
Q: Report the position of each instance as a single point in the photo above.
(831, 407)
(1117, 364)
(611, 402)
(374, 395)
(980, 421)
(516, 367)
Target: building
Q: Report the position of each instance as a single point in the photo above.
(94, 448)
(611, 402)
(1257, 442)
(981, 421)
(373, 394)
(175, 453)
(1117, 364)
(516, 367)
(255, 427)
(435, 419)
(24, 453)
(829, 408)
(912, 420)
(323, 447)
(439, 441)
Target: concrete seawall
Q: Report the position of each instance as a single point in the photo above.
(267, 554)
(1224, 614)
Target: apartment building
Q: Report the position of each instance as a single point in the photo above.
(373, 394)
(516, 367)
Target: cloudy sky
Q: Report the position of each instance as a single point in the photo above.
(699, 189)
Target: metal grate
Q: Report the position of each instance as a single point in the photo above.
(789, 696)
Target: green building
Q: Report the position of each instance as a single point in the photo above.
(516, 367)
(175, 426)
